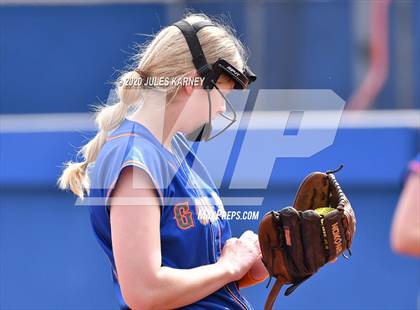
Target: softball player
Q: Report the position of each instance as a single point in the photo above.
(146, 215)
(405, 230)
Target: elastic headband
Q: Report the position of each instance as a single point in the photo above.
(211, 73)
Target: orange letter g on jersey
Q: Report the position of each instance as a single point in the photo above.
(183, 215)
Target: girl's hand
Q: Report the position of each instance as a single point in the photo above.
(239, 255)
(258, 271)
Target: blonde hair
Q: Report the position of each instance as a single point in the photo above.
(166, 55)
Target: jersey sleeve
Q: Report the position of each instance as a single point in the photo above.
(141, 155)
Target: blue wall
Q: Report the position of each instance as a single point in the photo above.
(48, 253)
(63, 58)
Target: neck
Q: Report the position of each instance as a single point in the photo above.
(158, 119)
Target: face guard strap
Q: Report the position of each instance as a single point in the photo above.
(211, 74)
(190, 33)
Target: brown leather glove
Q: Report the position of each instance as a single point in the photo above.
(296, 241)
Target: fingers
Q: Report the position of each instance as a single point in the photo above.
(249, 234)
(251, 239)
(230, 240)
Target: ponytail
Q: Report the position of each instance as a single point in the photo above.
(108, 117)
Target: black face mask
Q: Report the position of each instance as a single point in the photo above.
(211, 73)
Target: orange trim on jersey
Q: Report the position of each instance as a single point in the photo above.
(185, 203)
(220, 235)
(212, 241)
(128, 134)
(237, 289)
(236, 299)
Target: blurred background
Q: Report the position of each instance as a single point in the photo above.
(58, 59)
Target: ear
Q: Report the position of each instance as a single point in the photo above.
(190, 88)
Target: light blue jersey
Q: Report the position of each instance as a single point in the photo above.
(187, 240)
